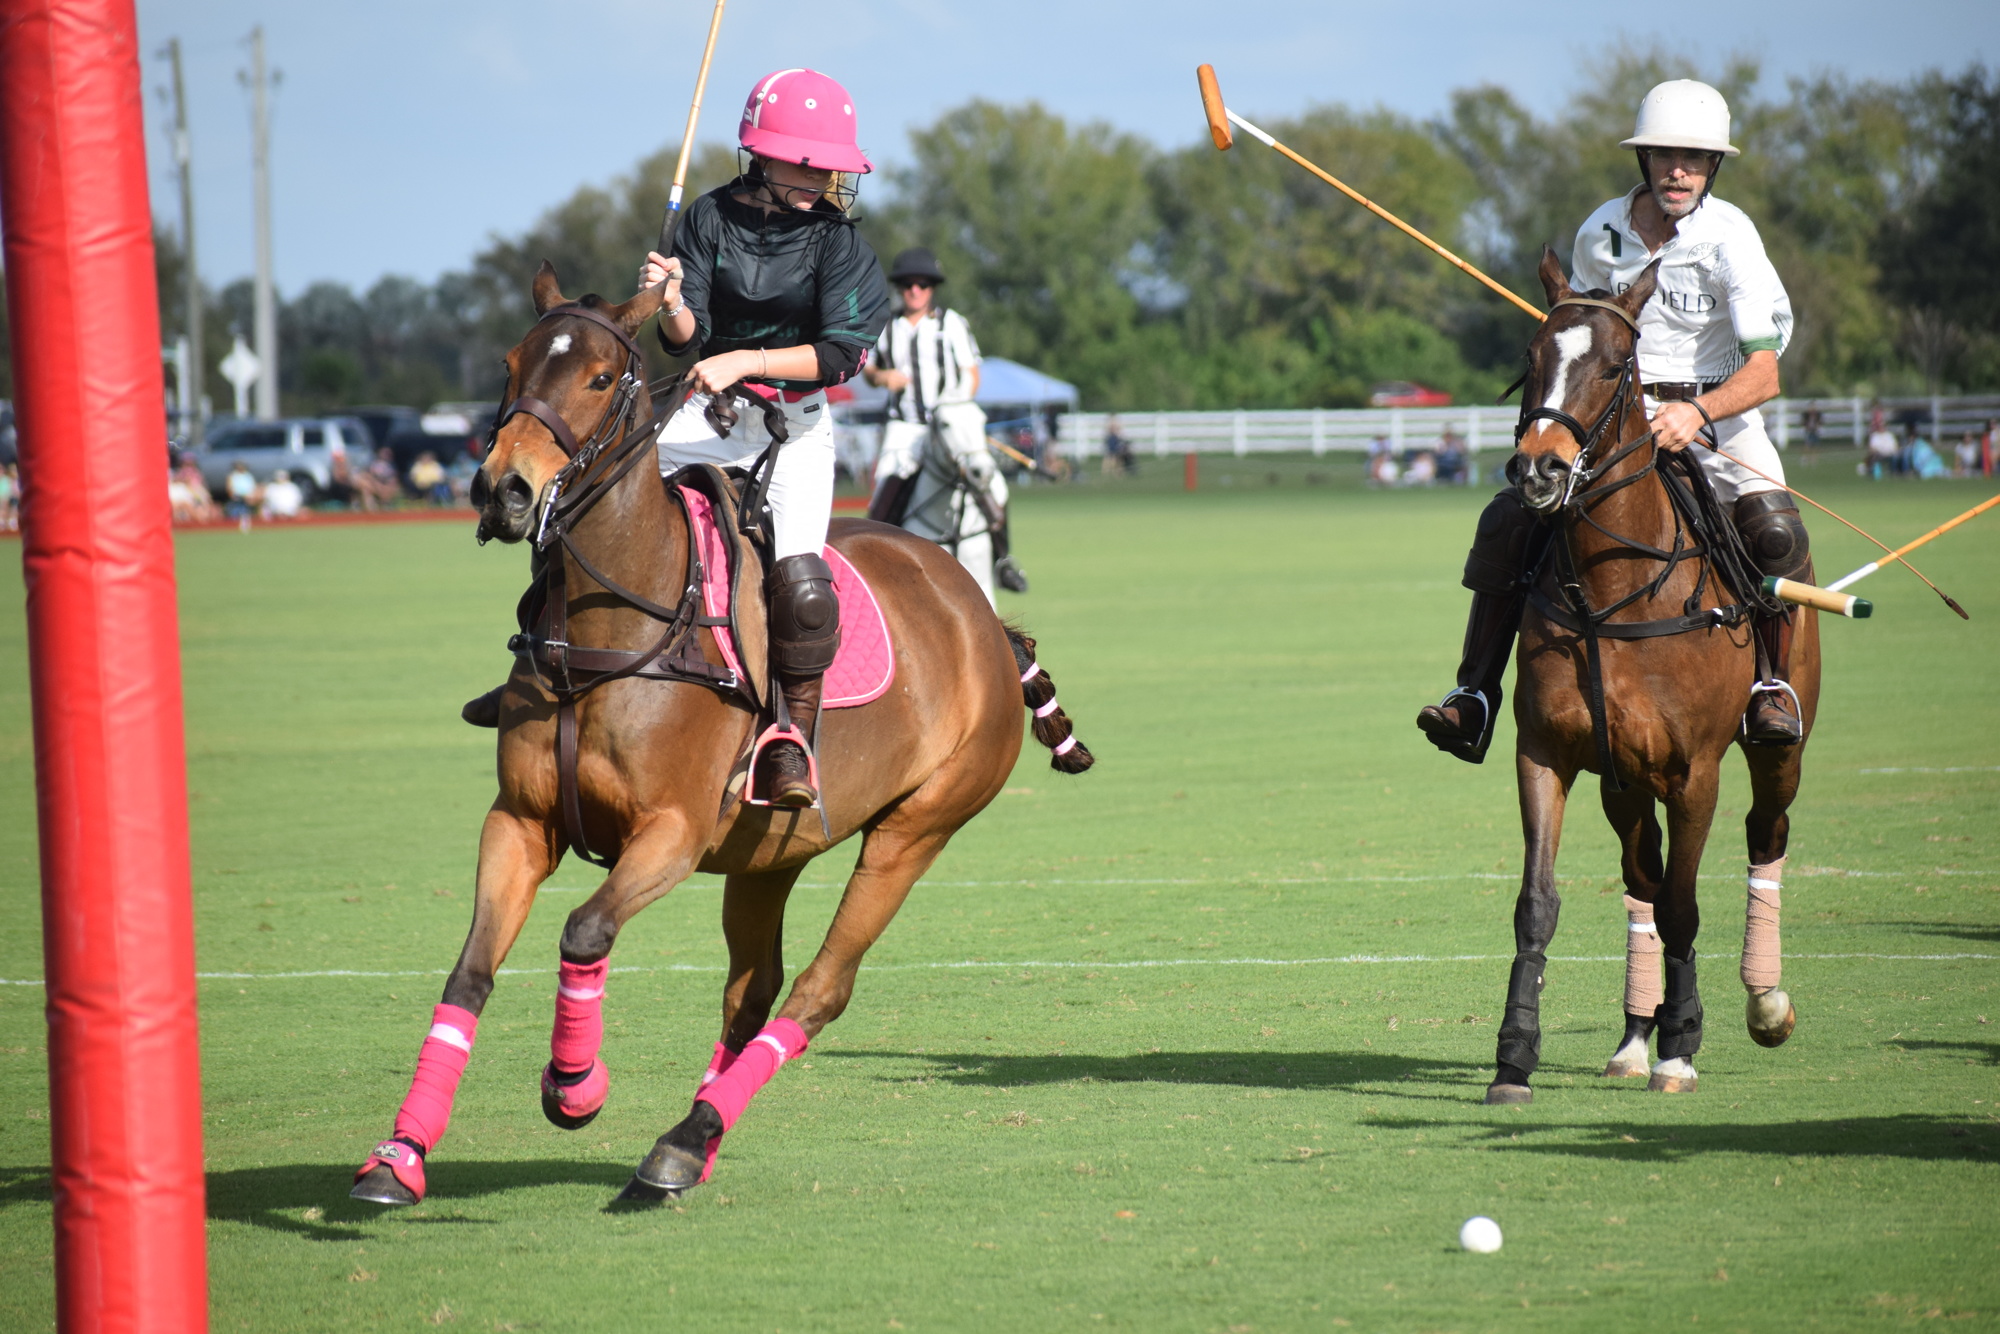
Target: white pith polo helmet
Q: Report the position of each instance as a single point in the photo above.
(1683, 113)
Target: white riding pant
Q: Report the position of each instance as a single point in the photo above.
(962, 428)
(1742, 436)
(801, 494)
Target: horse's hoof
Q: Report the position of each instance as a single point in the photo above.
(667, 1171)
(378, 1185)
(1618, 1067)
(641, 1194)
(1674, 1075)
(574, 1105)
(1509, 1095)
(1770, 1017)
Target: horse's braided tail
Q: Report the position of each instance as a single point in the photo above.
(1052, 726)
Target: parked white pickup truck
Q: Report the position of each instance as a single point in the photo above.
(302, 446)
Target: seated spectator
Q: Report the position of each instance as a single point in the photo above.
(200, 504)
(1882, 451)
(379, 483)
(1382, 470)
(282, 497)
(340, 484)
(241, 491)
(1967, 456)
(1423, 469)
(427, 479)
(1921, 460)
(10, 499)
(1117, 449)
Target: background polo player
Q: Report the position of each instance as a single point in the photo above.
(1708, 357)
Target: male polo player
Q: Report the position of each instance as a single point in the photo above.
(1709, 343)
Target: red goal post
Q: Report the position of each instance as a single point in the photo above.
(104, 654)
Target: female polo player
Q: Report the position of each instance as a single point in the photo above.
(772, 285)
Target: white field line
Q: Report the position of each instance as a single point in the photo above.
(1927, 769)
(1072, 965)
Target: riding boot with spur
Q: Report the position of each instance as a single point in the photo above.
(1461, 723)
(1775, 535)
(805, 636)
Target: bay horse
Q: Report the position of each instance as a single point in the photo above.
(646, 765)
(1636, 663)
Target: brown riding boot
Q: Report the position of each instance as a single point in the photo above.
(1773, 718)
(786, 774)
(484, 710)
(1461, 723)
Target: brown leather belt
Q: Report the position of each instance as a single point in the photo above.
(1678, 391)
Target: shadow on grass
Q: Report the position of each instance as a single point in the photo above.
(1982, 933)
(279, 1198)
(1913, 1135)
(1972, 1051)
(1244, 1069)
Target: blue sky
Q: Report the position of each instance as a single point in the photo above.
(405, 134)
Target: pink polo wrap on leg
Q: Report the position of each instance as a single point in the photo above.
(778, 1042)
(1761, 966)
(718, 1064)
(1643, 989)
(426, 1109)
(579, 1030)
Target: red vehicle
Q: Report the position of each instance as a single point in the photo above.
(1407, 394)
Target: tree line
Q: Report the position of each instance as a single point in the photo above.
(1189, 278)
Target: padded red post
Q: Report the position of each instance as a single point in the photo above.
(104, 655)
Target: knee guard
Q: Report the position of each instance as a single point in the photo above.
(805, 615)
(1500, 545)
(1774, 533)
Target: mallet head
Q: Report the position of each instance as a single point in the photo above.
(1211, 102)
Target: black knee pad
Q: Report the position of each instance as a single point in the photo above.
(1500, 544)
(805, 615)
(1775, 533)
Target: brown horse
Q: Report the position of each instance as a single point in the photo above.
(1636, 662)
(655, 758)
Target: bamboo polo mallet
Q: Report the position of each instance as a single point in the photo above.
(671, 222)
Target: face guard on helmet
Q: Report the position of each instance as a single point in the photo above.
(803, 117)
(1687, 114)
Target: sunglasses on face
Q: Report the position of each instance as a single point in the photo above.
(906, 283)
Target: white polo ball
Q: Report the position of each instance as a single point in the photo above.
(1480, 1235)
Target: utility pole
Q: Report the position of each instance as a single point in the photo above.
(266, 317)
(194, 361)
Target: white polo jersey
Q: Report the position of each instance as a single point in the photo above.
(938, 352)
(1718, 301)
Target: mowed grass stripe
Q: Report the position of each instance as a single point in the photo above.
(1109, 1068)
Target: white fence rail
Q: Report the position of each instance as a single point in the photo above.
(1843, 421)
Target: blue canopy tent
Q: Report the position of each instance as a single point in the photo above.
(1009, 384)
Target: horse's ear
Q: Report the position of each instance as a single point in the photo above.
(639, 309)
(1554, 281)
(547, 294)
(1634, 298)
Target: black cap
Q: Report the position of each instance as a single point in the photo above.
(916, 262)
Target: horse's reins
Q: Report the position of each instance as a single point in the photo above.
(1583, 492)
(592, 469)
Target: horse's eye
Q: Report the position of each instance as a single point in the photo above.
(1612, 372)
(602, 382)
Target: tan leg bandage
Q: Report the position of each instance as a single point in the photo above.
(1761, 965)
(1643, 989)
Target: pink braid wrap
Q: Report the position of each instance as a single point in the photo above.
(579, 1029)
(1761, 966)
(1643, 988)
(426, 1110)
(780, 1041)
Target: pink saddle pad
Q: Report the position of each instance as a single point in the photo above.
(866, 664)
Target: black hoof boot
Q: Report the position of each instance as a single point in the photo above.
(484, 711)
(378, 1185)
(679, 1159)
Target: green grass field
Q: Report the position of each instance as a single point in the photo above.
(1117, 1065)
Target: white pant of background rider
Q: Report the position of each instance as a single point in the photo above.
(961, 429)
(1742, 436)
(801, 494)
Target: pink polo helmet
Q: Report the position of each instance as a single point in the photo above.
(802, 116)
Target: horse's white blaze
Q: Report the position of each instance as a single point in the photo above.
(1571, 345)
(558, 345)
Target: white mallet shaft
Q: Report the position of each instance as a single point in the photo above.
(1899, 552)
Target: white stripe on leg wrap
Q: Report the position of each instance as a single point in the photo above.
(1643, 988)
(1762, 968)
